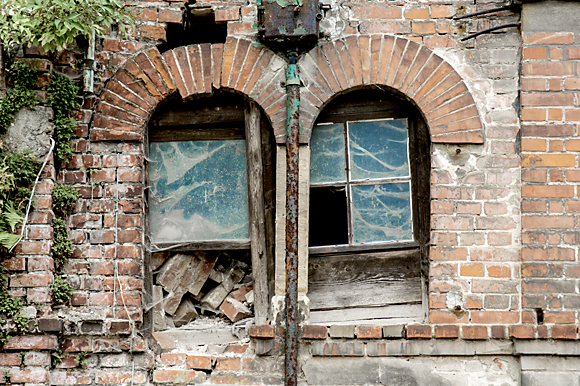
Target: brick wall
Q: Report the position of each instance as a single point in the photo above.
(504, 233)
(550, 116)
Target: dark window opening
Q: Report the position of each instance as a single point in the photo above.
(328, 213)
(199, 26)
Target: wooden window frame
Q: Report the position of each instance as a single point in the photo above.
(337, 272)
(231, 117)
(419, 175)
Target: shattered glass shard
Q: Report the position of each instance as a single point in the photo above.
(199, 191)
(382, 213)
(378, 149)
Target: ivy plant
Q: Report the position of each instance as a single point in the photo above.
(20, 94)
(61, 290)
(54, 24)
(62, 95)
(17, 171)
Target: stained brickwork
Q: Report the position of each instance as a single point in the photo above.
(502, 111)
(550, 268)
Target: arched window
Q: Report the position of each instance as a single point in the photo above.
(210, 175)
(369, 210)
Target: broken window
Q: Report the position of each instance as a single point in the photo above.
(365, 164)
(199, 209)
(369, 210)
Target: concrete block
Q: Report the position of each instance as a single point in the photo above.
(340, 371)
(549, 363)
(396, 331)
(533, 378)
(342, 332)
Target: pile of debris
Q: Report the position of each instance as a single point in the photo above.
(209, 283)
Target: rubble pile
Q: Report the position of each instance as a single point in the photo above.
(209, 283)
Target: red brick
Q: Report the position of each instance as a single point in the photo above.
(199, 362)
(227, 14)
(228, 364)
(549, 38)
(153, 32)
(563, 332)
(170, 16)
(262, 331)
(522, 332)
(495, 317)
(545, 222)
(419, 331)
(310, 331)
(446, 317)
(173, 359)
(369, 332)
(446, 331)
(32, 342)
(474, 332)
(559, 317)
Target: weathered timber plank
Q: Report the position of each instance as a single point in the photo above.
(185, 116)
(202, 246)
(194, 133)
(408, 313)
(369, 279)
(256, 211)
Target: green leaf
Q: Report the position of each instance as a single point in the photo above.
(12, 217)
(8, 240)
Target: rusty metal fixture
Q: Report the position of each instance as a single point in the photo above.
(488, 30)
(292, 135)
(289, 24)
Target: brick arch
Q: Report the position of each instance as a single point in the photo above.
(398, 63)
(130, 97)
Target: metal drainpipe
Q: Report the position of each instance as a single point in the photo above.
(292, 132)
(88, 80)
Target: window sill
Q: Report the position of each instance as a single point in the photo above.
(201, 246)
(375, 247)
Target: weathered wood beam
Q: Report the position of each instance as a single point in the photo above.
(256, 207)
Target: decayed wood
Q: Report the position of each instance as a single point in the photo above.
(327, 249)
(202, 246)
(185, 116)
(256, 210)
(393, 314)
(364, 280)
(195, 133)
(269, 164)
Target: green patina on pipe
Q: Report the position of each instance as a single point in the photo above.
(292, 135)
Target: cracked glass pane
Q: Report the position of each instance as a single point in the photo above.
(382, 213)
(199, 191)
(378, 149)
(327, 159)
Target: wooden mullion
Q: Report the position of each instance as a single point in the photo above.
(256, 210)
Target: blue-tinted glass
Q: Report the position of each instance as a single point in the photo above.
(378, 149)
(382, 213)
(327, 154)
(199, 191)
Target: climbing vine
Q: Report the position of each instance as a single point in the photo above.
(53, 24)
(62, 97)
(19, 95)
